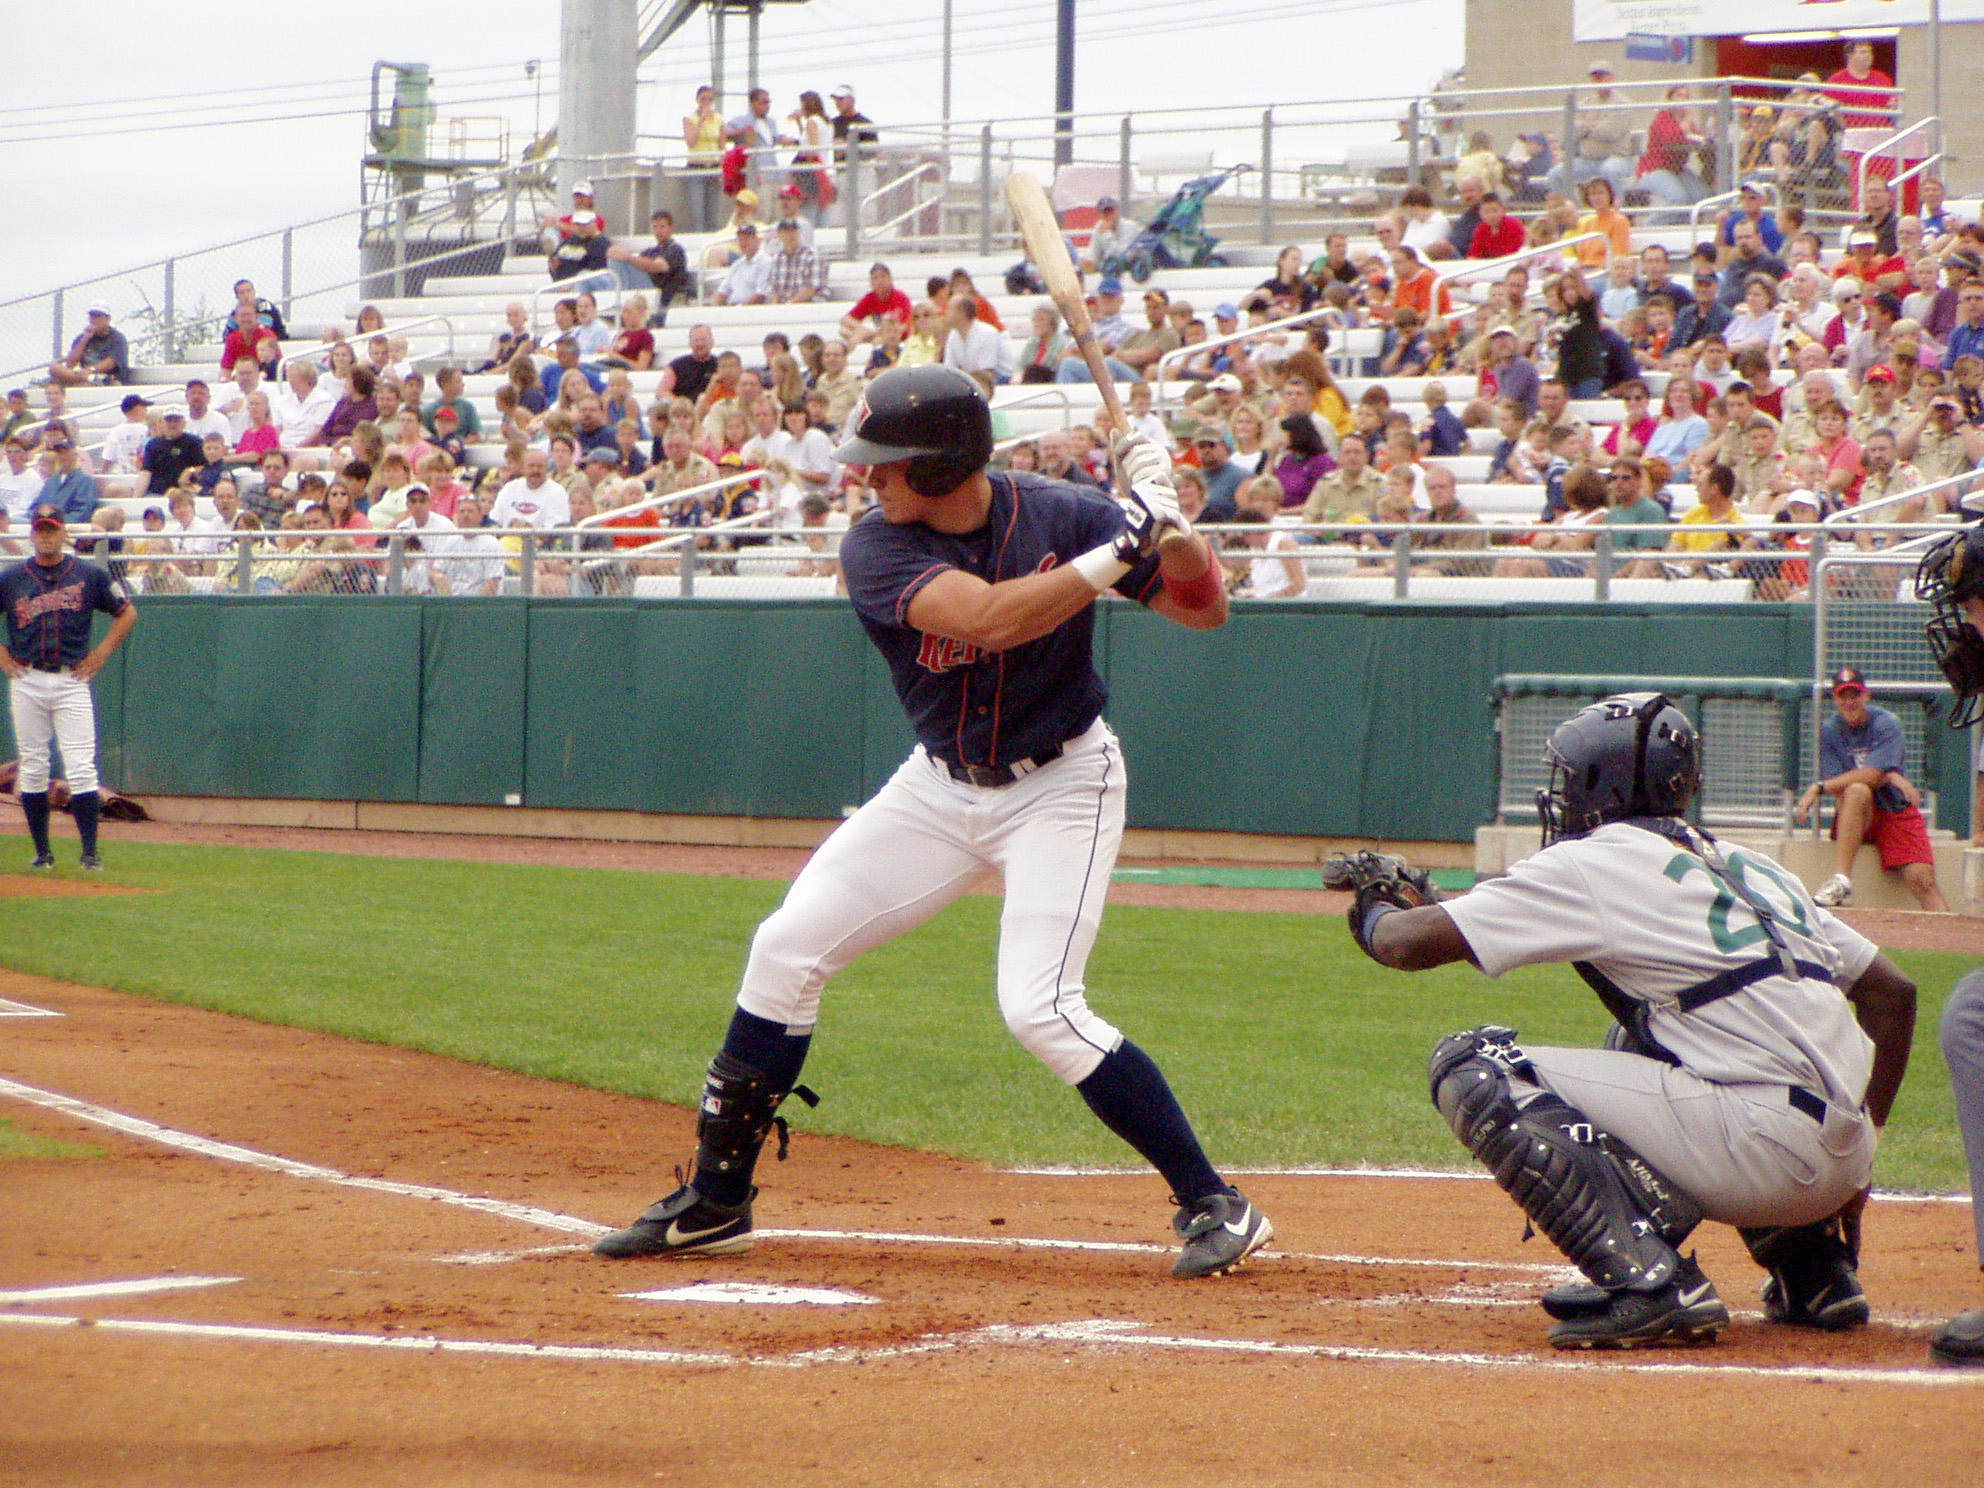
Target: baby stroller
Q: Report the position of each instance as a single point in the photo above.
(1176, 237)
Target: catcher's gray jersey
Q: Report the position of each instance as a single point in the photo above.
(1653, 918)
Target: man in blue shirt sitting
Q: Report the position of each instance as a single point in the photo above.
(1861, 757)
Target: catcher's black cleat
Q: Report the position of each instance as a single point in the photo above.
(1575, 1299)
(1686, 1310)
(1220, 1231)
(91, 863)
(1832, 1301)
(1960, 1341)
(684, 1223)
(43, 862)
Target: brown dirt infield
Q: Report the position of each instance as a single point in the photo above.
(18, 886)
(1388, 1336)
(1901, 928)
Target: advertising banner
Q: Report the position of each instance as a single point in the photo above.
(1614, 20)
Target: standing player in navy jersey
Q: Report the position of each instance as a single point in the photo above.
(979, 589)
(51, 601)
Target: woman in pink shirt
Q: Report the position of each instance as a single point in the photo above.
(261, 435)
(1630, 434)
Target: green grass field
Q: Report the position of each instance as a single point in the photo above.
(1285, 1044)
(16, 1143)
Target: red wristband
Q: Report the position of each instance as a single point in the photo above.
(1194, 594)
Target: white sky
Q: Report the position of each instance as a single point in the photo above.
(141, 175)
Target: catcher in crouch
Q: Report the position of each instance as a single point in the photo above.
(1759, 1045)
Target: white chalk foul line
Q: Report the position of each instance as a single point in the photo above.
(572, 1224)
(1096, 1333)
(35, 1296)
(248, 1157)
(11, 1009)
(1449, 1175)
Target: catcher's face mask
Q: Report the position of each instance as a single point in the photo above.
(1951, 573)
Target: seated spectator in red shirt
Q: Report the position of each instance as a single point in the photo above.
(255, 343)
(1499, 234)
(863, 322)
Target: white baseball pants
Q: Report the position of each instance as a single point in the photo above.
(1740, 1151)
(918, 845)
(54, 705)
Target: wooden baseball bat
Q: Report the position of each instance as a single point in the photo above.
(1041, 232)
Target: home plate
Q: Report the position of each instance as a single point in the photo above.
(11, 1009)
(752, 1294)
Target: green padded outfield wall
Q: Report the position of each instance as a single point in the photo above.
(1306, 718)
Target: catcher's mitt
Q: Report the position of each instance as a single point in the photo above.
(1376, 879)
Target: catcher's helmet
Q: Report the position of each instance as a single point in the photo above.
(1952, 571)
(1633, 754)
(934, 417)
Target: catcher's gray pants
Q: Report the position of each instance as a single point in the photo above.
(1962, 1035)
(1743, 1152)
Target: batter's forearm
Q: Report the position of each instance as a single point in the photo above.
(998, 617)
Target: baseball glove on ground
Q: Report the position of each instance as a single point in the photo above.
(1376, 879)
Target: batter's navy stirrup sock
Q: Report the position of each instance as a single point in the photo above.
(766, 1047)
(87, 807)
(1130, 1096)
(34, 805)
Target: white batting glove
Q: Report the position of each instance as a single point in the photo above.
(1142, 462)
(1149, 511)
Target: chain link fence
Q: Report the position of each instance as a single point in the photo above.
(1749, 728)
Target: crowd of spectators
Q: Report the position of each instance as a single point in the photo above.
(1795, 377)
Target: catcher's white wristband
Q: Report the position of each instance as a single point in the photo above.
(1101, 567)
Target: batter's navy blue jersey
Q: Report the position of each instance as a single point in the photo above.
(50, 609)
(972, 707)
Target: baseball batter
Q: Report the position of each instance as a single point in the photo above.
(1951, 578)
(979, 590)
(51, 602)
(1741, 1085)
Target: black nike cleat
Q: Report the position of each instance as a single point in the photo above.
(684, 1223)
(1828, 1298)
(1220, 1231)
(1686, 1310)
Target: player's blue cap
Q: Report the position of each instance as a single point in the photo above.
(46, 514)
(1111, 285)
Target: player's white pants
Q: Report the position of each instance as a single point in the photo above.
(54, 705)
(1740, 1151)
(917, 846)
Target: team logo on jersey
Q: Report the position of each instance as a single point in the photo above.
(53, 602)
(940, 654)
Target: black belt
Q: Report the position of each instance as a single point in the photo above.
(993, 776)
(43, 666)
(1803, 1100)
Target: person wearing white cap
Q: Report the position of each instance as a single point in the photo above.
(582, 201)
(1604, 142)
(99, 354)
(847, 120)
(581, 251)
